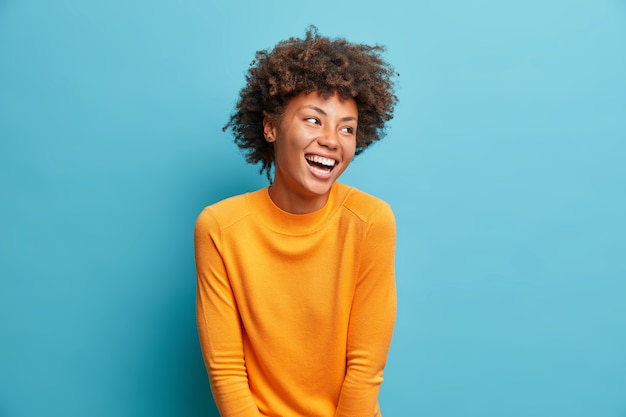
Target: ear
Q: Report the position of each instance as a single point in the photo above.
(269, 128)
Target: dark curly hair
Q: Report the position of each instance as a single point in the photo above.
(315, 63)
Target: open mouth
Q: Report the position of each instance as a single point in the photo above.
(320, 163)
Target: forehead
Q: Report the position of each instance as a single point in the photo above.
(333, 104)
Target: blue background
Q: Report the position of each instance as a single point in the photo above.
(504, 165)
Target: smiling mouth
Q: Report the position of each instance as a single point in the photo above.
(320, 163)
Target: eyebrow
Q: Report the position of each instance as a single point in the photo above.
(322, 112)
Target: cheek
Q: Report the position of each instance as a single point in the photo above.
(286, 154)
(349, 149)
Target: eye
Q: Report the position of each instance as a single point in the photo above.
(348, 129)
(313, 120)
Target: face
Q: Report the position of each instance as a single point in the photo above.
(314, 143)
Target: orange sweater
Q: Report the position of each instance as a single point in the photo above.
(295, 312)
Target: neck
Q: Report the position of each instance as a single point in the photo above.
(295, 203)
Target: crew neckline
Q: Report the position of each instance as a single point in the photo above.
(296, 224)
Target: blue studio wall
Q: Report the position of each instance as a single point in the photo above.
(504, 165)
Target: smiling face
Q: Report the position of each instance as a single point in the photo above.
(314, 142)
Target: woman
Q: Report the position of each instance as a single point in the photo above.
(295, 282)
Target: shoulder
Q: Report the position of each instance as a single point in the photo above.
(365, 206)
(227, 212)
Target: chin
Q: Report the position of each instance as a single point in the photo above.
(321, 188)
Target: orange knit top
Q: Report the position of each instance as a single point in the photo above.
(295, 312)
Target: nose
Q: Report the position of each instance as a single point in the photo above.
(329, 139)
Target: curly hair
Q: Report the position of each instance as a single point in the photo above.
(315, 63)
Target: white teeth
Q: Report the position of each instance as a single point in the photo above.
(321, 160)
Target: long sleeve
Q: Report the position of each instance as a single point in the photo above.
(295, 312)
(219, 324)
(372, 319)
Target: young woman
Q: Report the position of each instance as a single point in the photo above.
(296, 292)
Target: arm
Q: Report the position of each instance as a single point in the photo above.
(371, 319)
(219, 326)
